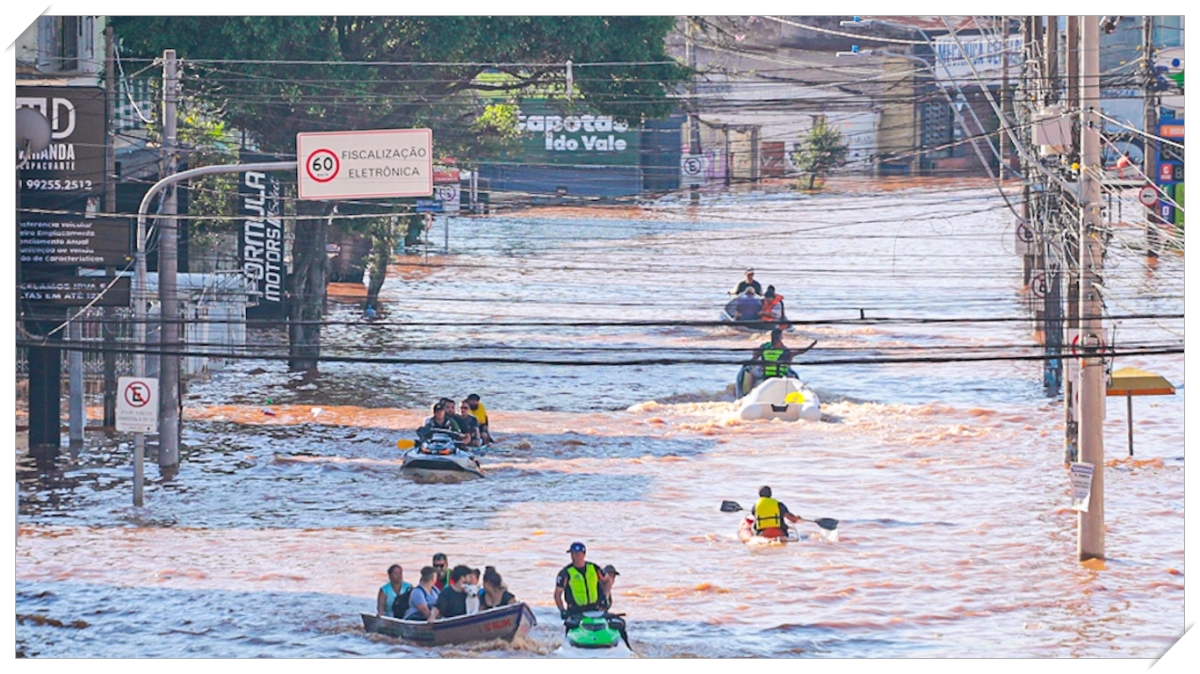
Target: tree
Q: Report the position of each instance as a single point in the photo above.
(821, 151)
(276, 76)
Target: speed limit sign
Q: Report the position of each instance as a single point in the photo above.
(1148, 196)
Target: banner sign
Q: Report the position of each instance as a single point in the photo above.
(260, 243)
(73, 164)
(983, 53)
(75, 241)
(550, 136)
(77, 291)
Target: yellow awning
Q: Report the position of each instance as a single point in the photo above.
(1132, 381)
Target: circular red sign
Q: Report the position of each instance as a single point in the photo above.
(322, 165)
(137, 394)
(1148, 195)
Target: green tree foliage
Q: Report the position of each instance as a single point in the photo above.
(276, 76)
(821, 151)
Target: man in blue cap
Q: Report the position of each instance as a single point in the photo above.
(579, 584)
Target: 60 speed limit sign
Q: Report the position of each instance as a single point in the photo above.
(378, 163)
(322, 165)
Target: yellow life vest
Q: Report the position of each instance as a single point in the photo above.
(766, 514)
(585, 585)
(772, 368)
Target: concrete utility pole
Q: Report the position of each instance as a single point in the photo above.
(108, 334)
(168, 292)
(1091, 367)
(1150, 151)
(1070, 383)
(693, 117)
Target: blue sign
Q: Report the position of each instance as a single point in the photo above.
(429, 205)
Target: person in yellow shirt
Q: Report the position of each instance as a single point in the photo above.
(480, 413)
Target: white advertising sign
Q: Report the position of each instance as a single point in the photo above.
(984, 53)
(137, 405)
(1081, 485)
(365, 164)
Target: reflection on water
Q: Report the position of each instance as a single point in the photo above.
(955, 538)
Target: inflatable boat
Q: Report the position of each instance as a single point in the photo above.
(729, 315)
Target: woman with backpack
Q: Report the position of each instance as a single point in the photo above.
(390, 591)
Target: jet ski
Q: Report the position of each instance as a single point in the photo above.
(439, 458)
(595, 634)
(785, 398)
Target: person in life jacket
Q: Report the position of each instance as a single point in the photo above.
(578, 587)
(772, 306)
(771, 516)
(771, 359)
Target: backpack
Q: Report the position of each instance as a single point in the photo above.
(400, 606)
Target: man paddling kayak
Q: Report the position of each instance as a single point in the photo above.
(771, 516)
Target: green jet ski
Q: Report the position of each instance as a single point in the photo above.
(596, 629)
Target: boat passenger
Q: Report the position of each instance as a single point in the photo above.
(578, 584)
(442, 566)
(424, 596)
(771, 516)
(480, 412)
(771, 359)
(390, 590)
(495, 592)
(470, 425)
(439, 421)
(452, 602)
(772, 306)
(747, 306)
(749, 283)
(606, 585)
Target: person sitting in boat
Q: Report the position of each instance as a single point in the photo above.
(749, 283)
(577, 587)
(469, 424)
(772, 306)
(452, 601)
(606, 585)
(771, 516)
(424, 596)
(495, 593)
(440, 422)
(480, 413)
(442, 566)
(747, 306)
(390, 590)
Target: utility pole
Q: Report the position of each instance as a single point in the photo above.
(1150, 151)
(1091, 366)
(693, 117)
(108, 334)
(168, 294)
(1070, 383)
(1051, 73)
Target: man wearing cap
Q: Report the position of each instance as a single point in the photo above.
(579, 584)
(749, 283)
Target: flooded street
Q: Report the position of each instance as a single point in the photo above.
(583, 331)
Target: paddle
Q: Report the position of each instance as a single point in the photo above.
(827, 523)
